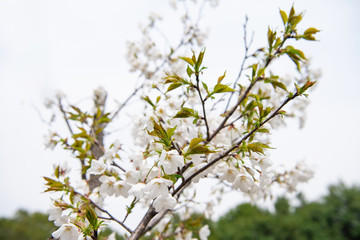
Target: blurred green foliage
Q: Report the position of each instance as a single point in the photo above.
(24, 225)
(336, 216)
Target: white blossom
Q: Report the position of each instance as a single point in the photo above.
(158, 186)
(56, 215)
(204, 232)
(121, 188)
(100, 95)
(137, 190)
(229, 174)
(164, 202)
(171, 161)
(244, 183)
(97, 167)
(66, 232)
(107, 186)
(49, 141)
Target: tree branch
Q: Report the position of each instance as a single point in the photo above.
(226, 153)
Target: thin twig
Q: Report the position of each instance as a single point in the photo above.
(246, 56)
(118, 166)
(64, 115)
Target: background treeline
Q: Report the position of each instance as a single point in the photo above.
(335, 216)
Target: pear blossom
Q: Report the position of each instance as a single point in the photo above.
(137, 190)
(204, 232)
(108, 185)
(121, 188)
(229, 174)
(97, 167)
(164, 202)
(171, 161)
(56, 215)
(100, 94)
(49, 141)
(264, 163)
(132, 176)
(244, 183)
(158, 186)
(66, 232)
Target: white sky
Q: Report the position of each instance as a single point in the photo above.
(76, 45)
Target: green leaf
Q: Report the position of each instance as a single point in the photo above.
(283, 16)
(72, 196)
(188, 60)
(292, 12)
(57, 172)
(263, 130)
(260, 72)
(221, 88)
(250, 106)
(206, 88)
(276, 84)
(170, 132)
(189, 71)
(292, 50)
(221, 78)
(257, 147)
(147, 99)
(254, 69)
(195, 142)
(271, 36)
(174, 86)
(184, 113)
(311, 31)
(196, 147)
(199, 61)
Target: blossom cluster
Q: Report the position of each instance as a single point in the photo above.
(185, 135)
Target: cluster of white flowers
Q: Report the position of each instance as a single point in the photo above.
(179, 140)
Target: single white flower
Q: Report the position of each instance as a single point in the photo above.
(100, 94)
(97, 167)
(132, 176)
(49, 141)
(158, 186)
(229, 175)
(137, 190)
(121, 189)
(66, 232)
(244, 183)
(204, 232)
(108, 185)
(167, 202)
(56, 215)
(264, 164)
(171, 161)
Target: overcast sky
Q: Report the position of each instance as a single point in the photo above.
(77, 45)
